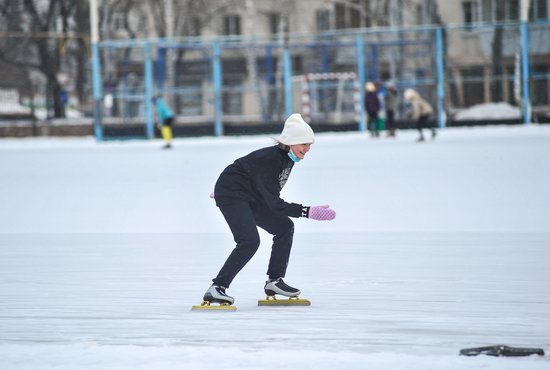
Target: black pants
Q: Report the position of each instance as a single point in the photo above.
(243, 219)
(168, 121)
(424, 122)
(373, 123)
(390, 120)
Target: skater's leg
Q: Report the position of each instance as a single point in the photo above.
(166, 132)
(420, 123)
(242, 223)
(390, 122)
(282, 229)
(373, 120)
(434, 130)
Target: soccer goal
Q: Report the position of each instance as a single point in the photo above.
(330, 97)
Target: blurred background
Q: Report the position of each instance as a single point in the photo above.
(79, 67)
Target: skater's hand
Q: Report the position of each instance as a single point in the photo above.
(212, 195)
(321, 213)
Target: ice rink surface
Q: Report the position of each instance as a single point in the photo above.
(437, 246)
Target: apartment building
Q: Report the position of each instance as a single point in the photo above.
(481, 59)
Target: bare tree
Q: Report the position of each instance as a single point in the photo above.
(41, 34)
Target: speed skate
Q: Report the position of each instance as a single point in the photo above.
(213, 306)
(271, 300)
(278, 286)
(216, 294)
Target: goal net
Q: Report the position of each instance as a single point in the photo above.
(330, 97)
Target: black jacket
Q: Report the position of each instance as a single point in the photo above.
(258, 178)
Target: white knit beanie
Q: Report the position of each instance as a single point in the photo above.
(296, 131)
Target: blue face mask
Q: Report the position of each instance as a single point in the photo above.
(293, 157)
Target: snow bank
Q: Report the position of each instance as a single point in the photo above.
(489, 111)
(13, 109)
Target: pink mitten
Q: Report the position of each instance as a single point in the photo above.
(321, 213)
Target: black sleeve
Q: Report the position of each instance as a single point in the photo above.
(269, 190)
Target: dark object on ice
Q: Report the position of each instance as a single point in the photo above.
(501, 350)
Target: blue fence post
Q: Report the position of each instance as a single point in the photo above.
(440, 77)
(160, 67)
(360, 60)
(287, 70)
(217, 84)
(325, 59)
(97, 92)
(148, 66)
(373, 70)
(270, 75)
(524, 34)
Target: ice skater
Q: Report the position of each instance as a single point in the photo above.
(165, 120)
(372, 107)
(248, 195)
(421, 112)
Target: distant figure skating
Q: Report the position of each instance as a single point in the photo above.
(421, 112)
(248, 195)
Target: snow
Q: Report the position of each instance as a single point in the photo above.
(13, 108)
(489, 111)
(437, 246)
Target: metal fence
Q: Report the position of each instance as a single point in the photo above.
(226, 85)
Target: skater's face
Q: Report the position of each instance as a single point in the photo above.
(300, 150)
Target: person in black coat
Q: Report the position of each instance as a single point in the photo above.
(248, 195)
(372, 107)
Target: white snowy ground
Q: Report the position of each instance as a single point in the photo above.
(436, 247)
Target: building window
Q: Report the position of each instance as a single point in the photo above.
(538, 10)
(119, 21)
(194, 27)
(509, 10)
(540, 94)
(470, 12)
(419, 14)
(473, 85)
(347, 16)
(323, 20)
(487, 10)
(232, 25)
(513, 10)
(232, 98)
(274, 22)
(189, 103)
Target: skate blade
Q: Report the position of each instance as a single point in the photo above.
(207, 306)
(291, 301)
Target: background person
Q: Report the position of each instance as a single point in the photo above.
(421, 112)
(165, 120)
(372, 107)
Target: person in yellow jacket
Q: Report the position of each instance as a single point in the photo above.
(421, 112)
(165, 120)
